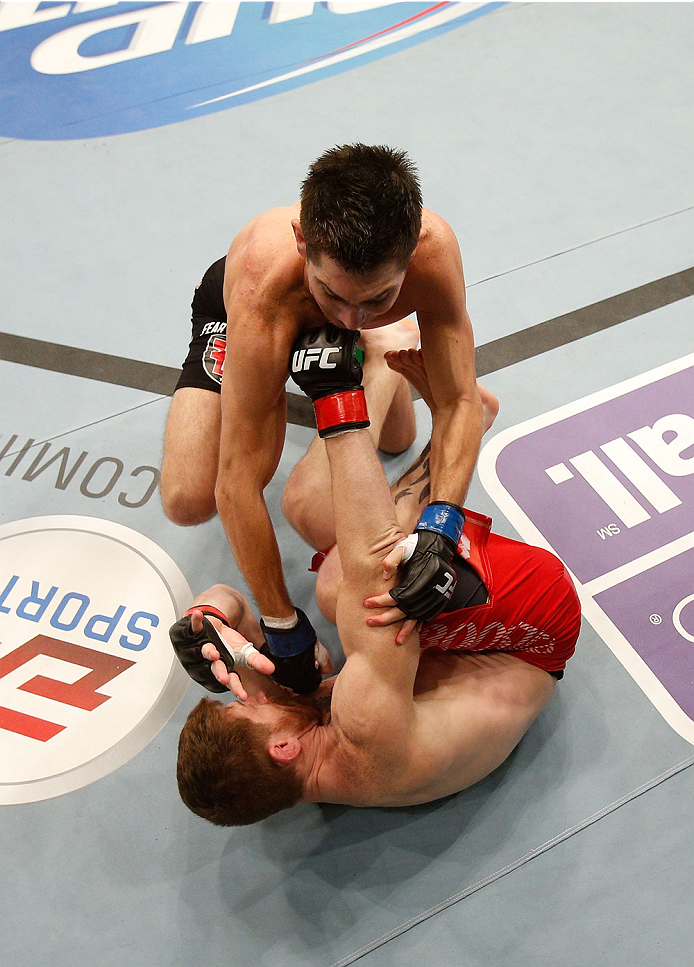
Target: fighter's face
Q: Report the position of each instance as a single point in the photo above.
(296, 712)
(353, 301)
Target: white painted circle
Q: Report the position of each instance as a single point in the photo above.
(79, 593)
(677, 621)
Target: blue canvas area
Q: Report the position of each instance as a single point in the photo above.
(620, 889)
(41, 405)
(570, 372)
(529, 294)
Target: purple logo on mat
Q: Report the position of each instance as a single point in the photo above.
(607, 483)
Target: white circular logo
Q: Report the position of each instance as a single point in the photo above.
(677, 618)
(87, 673)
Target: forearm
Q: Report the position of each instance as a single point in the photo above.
(251, 536)
(455, 442)
(366, 530)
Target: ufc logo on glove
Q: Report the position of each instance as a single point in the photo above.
(302, 359)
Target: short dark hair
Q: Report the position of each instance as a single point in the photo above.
(225, 773)
(361, 205)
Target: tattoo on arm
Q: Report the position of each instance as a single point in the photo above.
(406, 486)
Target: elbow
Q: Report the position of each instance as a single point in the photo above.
(238, 494)
(229, 490)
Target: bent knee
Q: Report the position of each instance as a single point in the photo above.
(409, 332)
(187, 509)
(299, 499)
(393, 444)
(328, 584)
(294, 498)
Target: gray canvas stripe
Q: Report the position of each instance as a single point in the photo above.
(490, 357)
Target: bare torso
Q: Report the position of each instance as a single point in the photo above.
(467, 720)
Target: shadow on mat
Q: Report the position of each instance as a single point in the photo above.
(324, 877)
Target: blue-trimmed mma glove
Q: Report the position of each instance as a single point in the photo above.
(427, 577)
(188, 648)
(293, 653)
(325, 366)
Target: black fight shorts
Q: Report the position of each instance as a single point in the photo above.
(204, 363)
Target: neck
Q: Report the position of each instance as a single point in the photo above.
(320, 747)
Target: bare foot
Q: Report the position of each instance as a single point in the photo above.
(490, 407)
(398, 335)
(410, 364)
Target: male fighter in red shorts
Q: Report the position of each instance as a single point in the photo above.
(401, 723)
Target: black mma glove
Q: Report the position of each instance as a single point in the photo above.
(427, 577)
(188, 648)
(325, 366)
(293, 653)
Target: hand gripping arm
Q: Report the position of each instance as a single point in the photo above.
(427, 577)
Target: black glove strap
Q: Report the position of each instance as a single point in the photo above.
(297, 672)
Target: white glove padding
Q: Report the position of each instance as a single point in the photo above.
(408, 545)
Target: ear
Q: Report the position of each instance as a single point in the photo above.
(284, 749)
(299, 236)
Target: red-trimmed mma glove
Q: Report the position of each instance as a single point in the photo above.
(188, 648)
(427, 577)
(325, 366)
(293, 652)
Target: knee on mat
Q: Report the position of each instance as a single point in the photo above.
(296, 498)
(186, 509)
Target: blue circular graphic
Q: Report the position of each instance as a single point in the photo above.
(82, 73)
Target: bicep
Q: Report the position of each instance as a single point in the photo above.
(369, 708)
(253, 408)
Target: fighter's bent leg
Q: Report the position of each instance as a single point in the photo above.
(191, 456)
(307, 500)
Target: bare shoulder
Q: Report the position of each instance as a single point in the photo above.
(263, 265)
(437, 239)
(435, 273)
(469, 713)
(436, 230)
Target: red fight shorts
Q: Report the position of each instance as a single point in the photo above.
(533, 611)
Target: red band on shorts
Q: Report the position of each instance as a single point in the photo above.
(318, 558)
(209, 610)
(341, 408)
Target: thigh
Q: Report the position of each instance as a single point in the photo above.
(191, 444)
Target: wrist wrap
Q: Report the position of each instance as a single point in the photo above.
(340, 412)
(209, 609)
(443, 518)
(293, 641)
